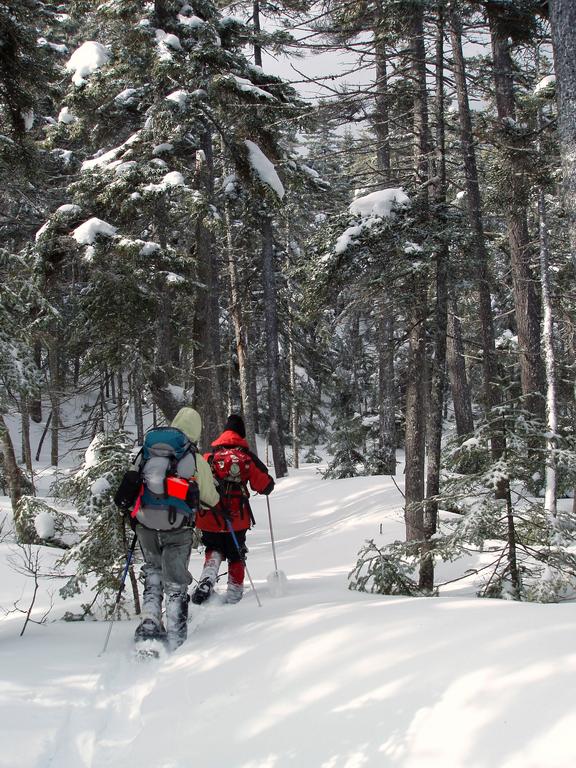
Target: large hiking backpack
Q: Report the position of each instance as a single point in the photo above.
(231, 465)
(231, 469)
(168, 495)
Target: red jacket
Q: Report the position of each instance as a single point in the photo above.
(234, 499)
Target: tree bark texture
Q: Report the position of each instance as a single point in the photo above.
(386, 390)
(272, 354)
(563, 24)
(474, 208)
(438, 366)
(241, 339)
(381, 124)
(11, 469)
(55, 390)
(526, 299)
(415, 439)
(207, 378)
(550, 493)
(459, 386)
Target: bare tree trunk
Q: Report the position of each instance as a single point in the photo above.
(241, 337)
(294, 416)
(207, 390)
(138, 415)
(272, 355)
(256, 23)
(25, 421)
(563, 24)
(35, 404)
(121, 403)
(457, 374)
(55, 388)
(415, 437)
(512, 555)
(12, 473)
(160, 377)
(474, 203)
(491, 392)
(381, 124)
(438, 367)
(415, 440)
(252, 381)
(550, 495)
(526, 300)
(386, 390)
(384, 318)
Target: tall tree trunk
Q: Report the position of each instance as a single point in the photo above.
(241, 337)
(415, 437)
(294, 415)
(159, 378)
(12, 471)
(490, 366)
(138, 415)
(381, 124)
(272, 354)
(415, 440)
(35, 404)
(25, 421)
(256, 24)
(383, 309)
(121, 403)
(474, 206)
(563, 24)
(207, 391)
(550, 362)
(526, 300)
(457, 373)
(55, 391)
(438, 367)
(386, 389)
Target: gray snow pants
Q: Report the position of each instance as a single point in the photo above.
(166, 556)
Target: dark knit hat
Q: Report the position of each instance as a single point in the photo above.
(235, 422)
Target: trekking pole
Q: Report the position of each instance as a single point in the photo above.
(277, 579)
(231, 530)
(119, 595)
(272, 535)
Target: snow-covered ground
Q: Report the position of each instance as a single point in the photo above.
(321, 677)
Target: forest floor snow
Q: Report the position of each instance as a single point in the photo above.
(320, 677)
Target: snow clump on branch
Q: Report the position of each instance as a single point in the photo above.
(87, 232)
(264, 168)
(372, 209)
(86, 60)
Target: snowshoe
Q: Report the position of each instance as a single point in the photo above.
(202, 592)
(149, 629)
(149, 649)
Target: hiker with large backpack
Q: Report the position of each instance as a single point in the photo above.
(165, 491)
(235, 469)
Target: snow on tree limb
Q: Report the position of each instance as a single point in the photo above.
(372, 209)
(86, 59)
(264, 168)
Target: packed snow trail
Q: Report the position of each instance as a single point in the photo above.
(320, 678)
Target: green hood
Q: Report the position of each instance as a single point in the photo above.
(189, 421)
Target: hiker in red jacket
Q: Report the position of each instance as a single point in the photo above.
(234, 468)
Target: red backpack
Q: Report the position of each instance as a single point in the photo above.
(231, 465)
(231, 468)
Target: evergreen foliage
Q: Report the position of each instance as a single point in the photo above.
(101, 552)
